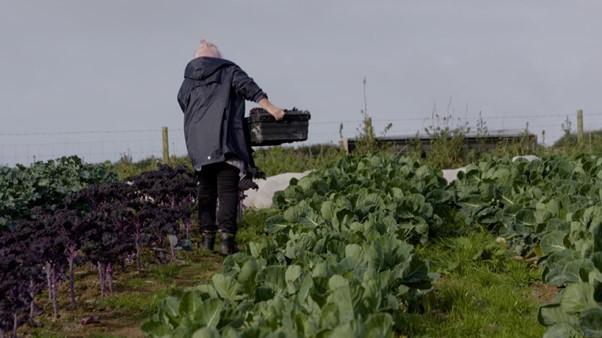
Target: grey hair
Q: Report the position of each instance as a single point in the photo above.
(208, 49)
(214, 48)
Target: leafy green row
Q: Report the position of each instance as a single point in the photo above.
(522, 200)
(313, 297)
(44, 184)
(574, 260)
(376, 189)
(332, 265)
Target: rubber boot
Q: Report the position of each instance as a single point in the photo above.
(208, 241)
(228, 243)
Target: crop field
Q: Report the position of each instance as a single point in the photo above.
(368, 246)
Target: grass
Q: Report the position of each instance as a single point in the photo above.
(136, 297)
(482, 292)
(138, 305)
(167, 272)
(252, 225)
(471, 307)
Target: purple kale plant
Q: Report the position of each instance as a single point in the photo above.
(106, 227)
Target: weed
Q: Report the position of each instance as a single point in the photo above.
(125, 167)
(136, 305)
(462, 255)
(136, 283)
(278, 159)
(252, 226)
(366, 138)
(447, 140)
(166, 272)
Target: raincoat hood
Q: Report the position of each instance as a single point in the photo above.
(205, 68)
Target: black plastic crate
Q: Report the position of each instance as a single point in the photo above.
(264, 130)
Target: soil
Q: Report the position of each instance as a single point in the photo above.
(545, 293)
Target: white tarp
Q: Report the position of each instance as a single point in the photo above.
(262, 197)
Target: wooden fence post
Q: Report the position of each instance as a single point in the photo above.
(579, 126)
(165, 146)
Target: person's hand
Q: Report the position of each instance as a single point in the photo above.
(277, 112)
(273, 110)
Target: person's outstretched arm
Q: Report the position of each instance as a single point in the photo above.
(245, 86)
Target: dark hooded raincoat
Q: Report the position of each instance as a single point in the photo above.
(212, 98)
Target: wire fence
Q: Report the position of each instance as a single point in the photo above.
(91, 146)
(138, 144)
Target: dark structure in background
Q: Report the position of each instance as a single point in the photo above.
(493, 139)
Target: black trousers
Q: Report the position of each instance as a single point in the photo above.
(218, 184)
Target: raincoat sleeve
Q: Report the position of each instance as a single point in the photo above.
(246, 87)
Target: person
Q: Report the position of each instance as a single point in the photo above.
(212, 98)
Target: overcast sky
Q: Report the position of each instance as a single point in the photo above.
(100, 78)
